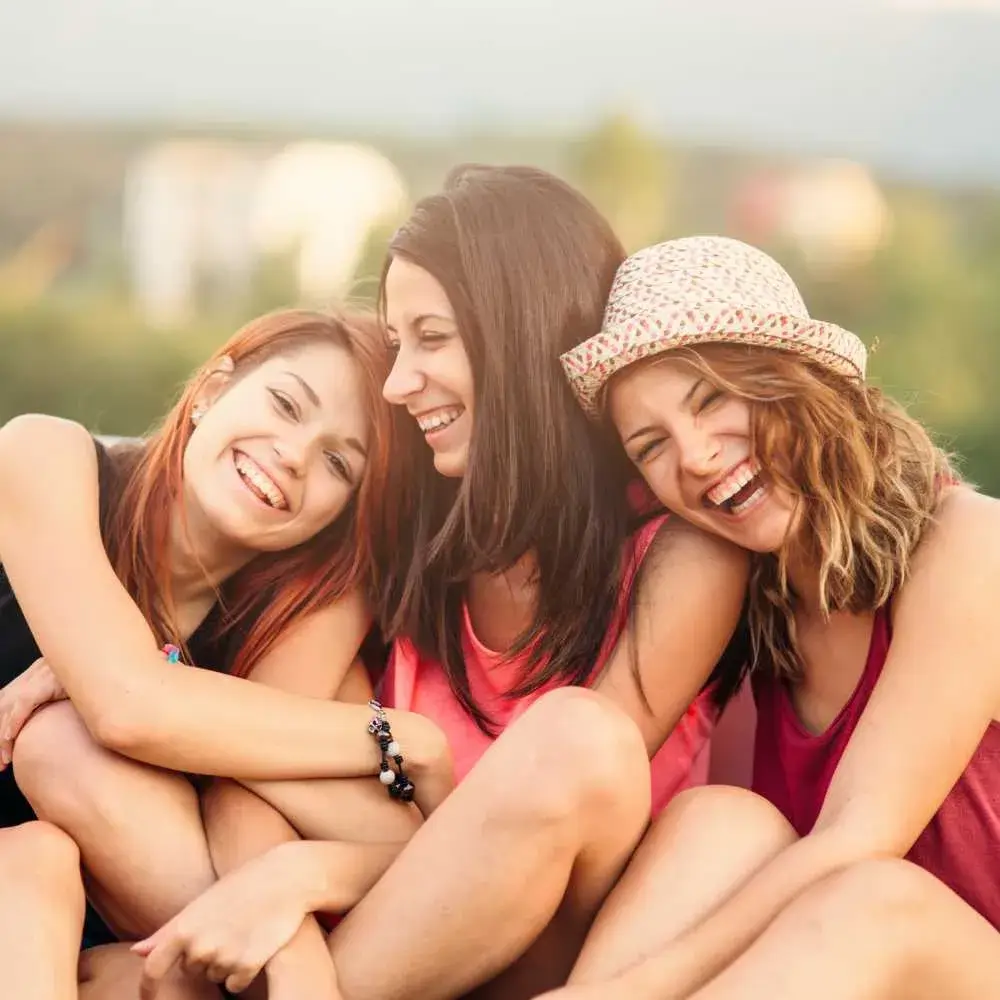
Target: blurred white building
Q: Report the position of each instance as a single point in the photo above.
(322, 201)
(187, 224)
(832, 210)
(200, 215)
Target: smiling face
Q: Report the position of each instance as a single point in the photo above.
(691, 441)
(431, 375)
(278, 451)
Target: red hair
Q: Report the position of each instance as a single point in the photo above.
(275, 589)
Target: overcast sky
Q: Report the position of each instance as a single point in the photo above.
(912, 84)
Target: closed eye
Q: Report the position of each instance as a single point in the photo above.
(432, 339)
(712, 397)
(648, 449)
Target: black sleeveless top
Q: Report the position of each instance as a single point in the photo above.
(18, 649)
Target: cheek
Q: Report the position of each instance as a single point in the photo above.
(327, 500)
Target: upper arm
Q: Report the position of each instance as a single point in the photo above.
(84, 621)
(690, 594)
(938, 690)
(313, 657)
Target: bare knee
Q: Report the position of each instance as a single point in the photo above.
(574, 752)
(50, 754)
(41, 851)
(733, 812)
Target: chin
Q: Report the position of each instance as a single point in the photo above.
(451, 465)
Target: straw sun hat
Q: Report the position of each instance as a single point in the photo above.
(703, 290)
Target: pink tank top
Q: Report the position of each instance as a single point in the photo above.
(419, 684)
(793, 769)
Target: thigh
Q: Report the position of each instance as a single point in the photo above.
(882, 930)
(113, 973)
(138, 827)
(701, 849)
(507, 873)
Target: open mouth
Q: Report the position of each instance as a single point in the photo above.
(740, 490)
(258, 482)
(438, 420)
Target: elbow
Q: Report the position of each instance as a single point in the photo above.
(116, 725)
(114, 731)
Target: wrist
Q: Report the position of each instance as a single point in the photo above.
(299, 872)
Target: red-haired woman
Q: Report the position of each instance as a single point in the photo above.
(235, 538)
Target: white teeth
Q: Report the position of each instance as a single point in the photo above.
(733, 483)
(438, 419)
(751, 501)
(256, 476)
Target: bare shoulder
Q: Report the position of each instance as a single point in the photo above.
(964, 540)
(683, 556)
(33, 444)
(680, 544)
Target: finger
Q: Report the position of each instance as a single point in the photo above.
(239, 981)
(11, 723)
(217, 971)
(158, 964)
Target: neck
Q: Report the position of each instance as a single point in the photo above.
(201, 560)
(803, 578)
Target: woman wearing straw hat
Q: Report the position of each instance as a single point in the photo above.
(872, 607)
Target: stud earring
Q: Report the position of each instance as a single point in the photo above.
(196, 414)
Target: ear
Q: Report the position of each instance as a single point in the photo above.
(215, 383)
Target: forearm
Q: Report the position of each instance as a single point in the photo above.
(331, 876)
(189, 719)
(693, 960)
(241, 826)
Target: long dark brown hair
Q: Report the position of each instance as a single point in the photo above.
(275, 589)
(527, 264)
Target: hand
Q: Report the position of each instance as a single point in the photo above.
(21, 698)
(230, 932)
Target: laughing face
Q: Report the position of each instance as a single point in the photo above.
(278, 451)
(431, 375)
(691, 441)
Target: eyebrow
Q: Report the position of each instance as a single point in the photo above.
(423, 317)
(351, 442)
(307, 389)
(652, 427)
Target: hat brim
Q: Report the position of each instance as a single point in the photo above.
(590, 365)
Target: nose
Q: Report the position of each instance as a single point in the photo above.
(700, 452)
(404, 379)
(292, 453)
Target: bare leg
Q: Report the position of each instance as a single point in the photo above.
(701, 849)
(42, 914)
(511, 868)
(139, 828)
(112, 972)
(882, 930)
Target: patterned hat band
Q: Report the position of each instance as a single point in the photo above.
(703, 290)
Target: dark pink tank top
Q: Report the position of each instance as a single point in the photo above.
(793, 768)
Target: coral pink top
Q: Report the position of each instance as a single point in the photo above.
(418, 684)
(793, 769)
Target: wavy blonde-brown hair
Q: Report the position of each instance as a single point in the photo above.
(866, 477)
